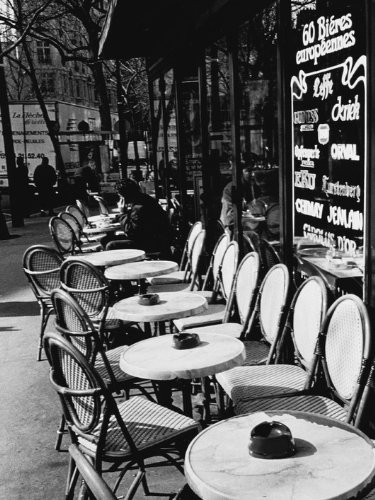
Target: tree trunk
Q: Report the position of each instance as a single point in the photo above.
(49, 123)
(101, 88)
(10, 158)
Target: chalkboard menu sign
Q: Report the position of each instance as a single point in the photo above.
(329, 115)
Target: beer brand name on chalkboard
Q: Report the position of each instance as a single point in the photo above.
(321, 32)
(304, 179)
(352, 219)
(344, 152)
(308, 207)
(346, 112)
(306, 116)
(337, 189)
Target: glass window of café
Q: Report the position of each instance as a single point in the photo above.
(257, 77)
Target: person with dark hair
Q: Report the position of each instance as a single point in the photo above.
(45, 178)
(226, 215)
(146, 225)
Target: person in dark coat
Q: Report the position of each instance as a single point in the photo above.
(23, 187)
(45, 179)
(146, 225)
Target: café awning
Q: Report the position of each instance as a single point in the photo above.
(158, 28)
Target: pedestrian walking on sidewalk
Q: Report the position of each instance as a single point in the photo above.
(45, 179)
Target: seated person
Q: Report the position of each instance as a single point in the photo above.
(146, 225)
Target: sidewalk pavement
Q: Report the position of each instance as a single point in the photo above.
(30, 467)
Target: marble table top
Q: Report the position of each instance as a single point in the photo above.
(157, 358)
(100, 228)
(112, 257)
(172, 305)
(333, 460)
(140, 270)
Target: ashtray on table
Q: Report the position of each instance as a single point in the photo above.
(185, 340)
(149, 299)
(271, 440)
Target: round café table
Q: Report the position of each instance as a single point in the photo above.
(333, 460)
(140, 271)
(111, 257)
(171, 306)
(157, 359)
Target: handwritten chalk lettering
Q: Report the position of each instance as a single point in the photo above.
(344, 152)
(307, 164)
(311, 208)
(325, 47)
(318, 235)
(337, 189)
(306, 153)
(323, 88)
(328, 27)
(346, 245)
(341, 217)
(304, 179)
(306, 116)
(346, 112)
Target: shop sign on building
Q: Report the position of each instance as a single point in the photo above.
(329, 116)
(30, 137)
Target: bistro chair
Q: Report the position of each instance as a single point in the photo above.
(88, 285)
(83, 208)
(212, 273)
(268, 255)
(184, 274)
(84, 242)
(303, 326)
(65, 239)
(240, 301)
(117, 434)
(41, 265)
(78, 214)
(103, 208)
(216, 311)
(74, 324)
(195, 281)
(335, 383)
(63, 236)
(92, 481)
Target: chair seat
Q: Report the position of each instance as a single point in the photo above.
(113, 356)
(251, 382)
(148, 424)
(314, 404)
(214, 314)
(166, 279)
(230, 329)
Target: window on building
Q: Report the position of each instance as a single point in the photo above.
(47, 83)
(43, 51)
(78, 89)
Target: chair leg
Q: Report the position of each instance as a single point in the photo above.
(45, 313)
(60, 432)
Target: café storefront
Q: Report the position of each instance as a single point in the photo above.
(285, 87)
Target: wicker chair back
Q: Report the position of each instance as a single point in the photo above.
(308, 307)
(245, 284)
(73, 223)
(228, 269)
(273, 296)
(87, 285)
(78, 214)
(63, 236)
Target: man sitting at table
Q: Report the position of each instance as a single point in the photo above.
(146, 225)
